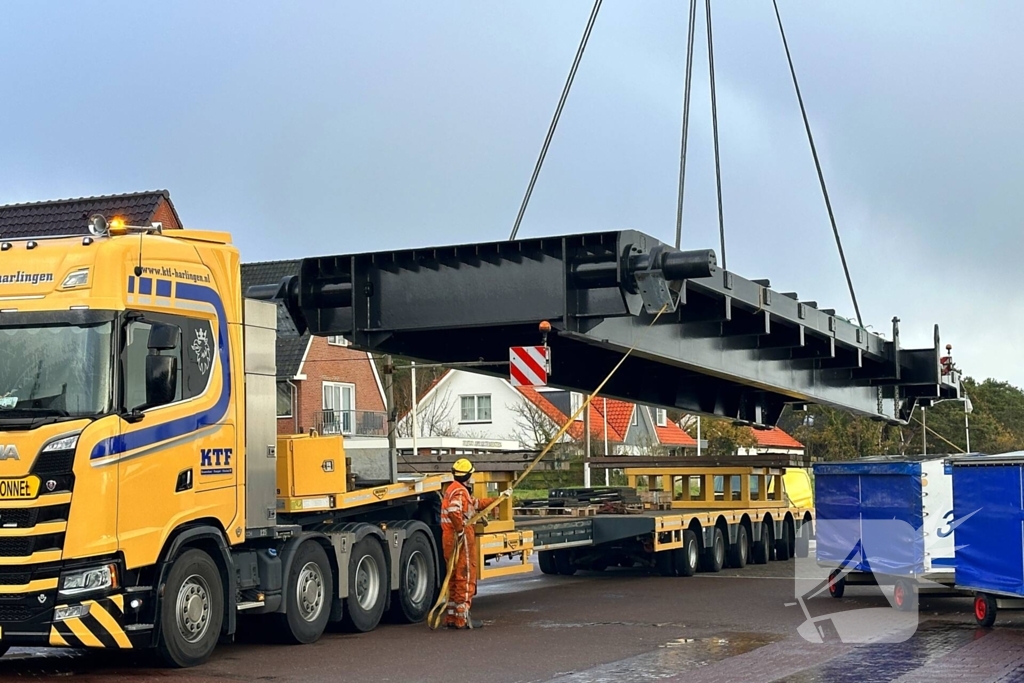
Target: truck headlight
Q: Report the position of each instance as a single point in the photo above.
(76, 278)
(66, 443)
(66, 612)
(87, 580)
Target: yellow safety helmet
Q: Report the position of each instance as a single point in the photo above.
(462, 467)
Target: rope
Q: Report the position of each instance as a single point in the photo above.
(558, 114)
(686, 121)
(935, 433)
(436, 614)
(817, 166)
(714, 127)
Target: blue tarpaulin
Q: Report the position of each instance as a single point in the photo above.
(988, 503)
(877, 505)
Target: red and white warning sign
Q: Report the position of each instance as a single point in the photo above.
(528, 365)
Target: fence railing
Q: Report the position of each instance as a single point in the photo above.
(351, 422)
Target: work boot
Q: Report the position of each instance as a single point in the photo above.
(472, 623)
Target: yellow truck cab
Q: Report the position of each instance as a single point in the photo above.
(141, 499)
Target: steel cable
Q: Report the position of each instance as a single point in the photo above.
(686, 121)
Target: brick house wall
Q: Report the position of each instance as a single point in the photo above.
(326, 362)
(165, 214)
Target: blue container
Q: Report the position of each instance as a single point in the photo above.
(857, 501)
(988, 505)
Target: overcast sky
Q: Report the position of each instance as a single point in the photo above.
(328, 127)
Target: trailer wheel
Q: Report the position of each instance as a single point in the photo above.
(665, 563)
(836, 584)
(740, 550)
(367, 581)
(762, 551)
(191, 610)
(417, 576)
(688, 557)
(546, 560)
(985, 609)
(714, 557)
(308, 594)
(563, 563)
(904, 595)
(782, 545)
(803, 541)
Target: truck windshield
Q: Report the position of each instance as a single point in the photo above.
(55, 369)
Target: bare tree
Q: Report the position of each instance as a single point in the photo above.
(433, 417)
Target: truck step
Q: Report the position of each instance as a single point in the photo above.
(138, 627)
(242, 606)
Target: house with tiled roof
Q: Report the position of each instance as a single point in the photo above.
(322, 383)
(465, 404)
(773, 441)
(70, 217)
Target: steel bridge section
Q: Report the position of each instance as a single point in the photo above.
(723, 345)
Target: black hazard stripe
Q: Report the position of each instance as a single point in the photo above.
(64, 631)
(98, 630)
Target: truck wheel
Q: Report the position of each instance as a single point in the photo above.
(665, 563)
(762, 551)
(985, 609)
(367, 586)
(803, 541)
(739, 551)
(191, 610)
(836, 584)
(904, 595)
(308, 594)
(546, 560)
(563, 563)
(417, 577)
(714, 557)
(688, 557)
(782, 545)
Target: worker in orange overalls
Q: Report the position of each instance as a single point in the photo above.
(458, 507)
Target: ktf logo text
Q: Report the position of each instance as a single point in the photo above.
(216, 457)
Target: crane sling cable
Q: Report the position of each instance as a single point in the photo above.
(436, 614)
(714, 128)
(558, 114)
(686, 121)
(935, 433)
(817, 166)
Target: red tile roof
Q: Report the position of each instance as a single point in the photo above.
(673, 435)
(775, 438)
(560, 418)
(620, 415)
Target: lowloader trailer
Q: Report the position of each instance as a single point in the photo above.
(147, 501)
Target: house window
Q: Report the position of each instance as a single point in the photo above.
(575, 402)
(339, 414)
(636, 416)
(337, 340)
(661, 417)
(284, 399)
(475, 408)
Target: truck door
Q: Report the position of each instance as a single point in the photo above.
(178, 461)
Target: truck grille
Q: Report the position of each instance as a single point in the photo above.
(53, 463)
(23, 547)
(16, 578)
(10, 613)
(23, 518)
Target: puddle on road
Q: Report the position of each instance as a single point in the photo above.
(672, 658)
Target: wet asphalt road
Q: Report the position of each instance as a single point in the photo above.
(621, 626)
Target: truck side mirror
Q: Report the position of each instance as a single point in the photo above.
(163, 337)
(161, 380)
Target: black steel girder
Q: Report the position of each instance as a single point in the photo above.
(724, 345)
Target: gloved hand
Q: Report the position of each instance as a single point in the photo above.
(507, 493)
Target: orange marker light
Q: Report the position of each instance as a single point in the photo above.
(117, 226)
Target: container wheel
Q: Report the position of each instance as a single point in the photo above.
(546, 560)
(904, 595)
(417, 576)
(836, 584)
(740, 550)
(191, 610)
(985, 609)
(714, 557)
(308, 594)
(367, 586)
(688, 557)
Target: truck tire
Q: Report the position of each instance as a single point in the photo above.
(563, 562)
(417, 578)
(782, 545)
(308, 594)
(665, 563)
(762, 550)
(367, 586)
(546, 560)
(688, 557)
(740, 550)
(714, 557)
(191, 610)
(803, 541)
